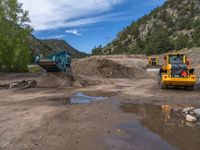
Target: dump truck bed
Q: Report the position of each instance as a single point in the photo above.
(48, 65)
(59, 61)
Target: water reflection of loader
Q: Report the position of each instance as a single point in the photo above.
(164, 113)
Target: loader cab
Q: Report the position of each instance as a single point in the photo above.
(175, 59)
(153, 61)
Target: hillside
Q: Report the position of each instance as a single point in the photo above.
(46, 47)
(38, 47)
(57, 45)
(174, 25)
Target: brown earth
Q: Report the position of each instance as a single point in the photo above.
(43, 118)
(112, 67)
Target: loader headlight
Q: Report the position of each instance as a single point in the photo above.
(165, 77)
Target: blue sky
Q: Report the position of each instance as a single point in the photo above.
(85, 24)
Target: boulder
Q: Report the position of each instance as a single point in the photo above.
(191, 118)
(197, 111)
(187, 110)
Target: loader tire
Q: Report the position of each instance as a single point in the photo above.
(163, 86)
(190, 88)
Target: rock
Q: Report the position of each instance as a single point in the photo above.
(187, 109)
(191, 118)
(23, 84)
(197, 111)
(13, 85)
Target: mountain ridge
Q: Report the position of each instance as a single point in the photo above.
(49, 46)
(174, 25)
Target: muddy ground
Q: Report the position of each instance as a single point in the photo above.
(95, 113)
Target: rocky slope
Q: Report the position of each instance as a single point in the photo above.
(174, 25)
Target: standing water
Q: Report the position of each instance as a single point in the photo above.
(157, 129)
(81, 98)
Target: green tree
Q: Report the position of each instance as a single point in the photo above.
(97, 50)
(181, 42)
(196, 37)
(14, 32)
(158, 42)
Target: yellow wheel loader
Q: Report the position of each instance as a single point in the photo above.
(153, 64)
(177, 72)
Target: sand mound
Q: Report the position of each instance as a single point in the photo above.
(55, 80)
(109, 68)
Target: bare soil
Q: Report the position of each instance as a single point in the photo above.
(43, 118)
(109, 67)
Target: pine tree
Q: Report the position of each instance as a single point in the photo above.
(97, 50)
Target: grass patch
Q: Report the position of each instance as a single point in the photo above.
(34, 68)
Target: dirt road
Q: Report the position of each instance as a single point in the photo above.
(109, 103)
(115, 114)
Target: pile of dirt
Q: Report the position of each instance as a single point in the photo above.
(108, 67)
(193, 56)
(55, 80)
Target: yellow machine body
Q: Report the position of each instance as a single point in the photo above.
(177, 72)
(153, 61)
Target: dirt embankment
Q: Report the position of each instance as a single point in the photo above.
(194, 58)
(110, 67)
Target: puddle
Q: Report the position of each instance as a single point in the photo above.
(82, 98)
(157, 129)
(137, 138)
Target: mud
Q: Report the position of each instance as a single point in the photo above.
(137, 138)
(157, 129)
(118, 113)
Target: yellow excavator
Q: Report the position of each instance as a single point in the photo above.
(177, 72)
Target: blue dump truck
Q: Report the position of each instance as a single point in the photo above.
(57, 62)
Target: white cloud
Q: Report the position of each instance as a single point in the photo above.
(73, 31)
(58, 36)
(51, 14)
(54, 37)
